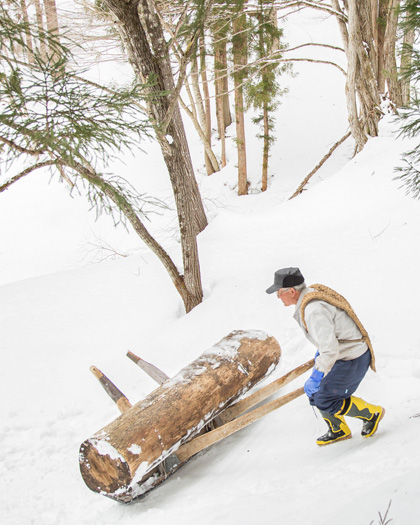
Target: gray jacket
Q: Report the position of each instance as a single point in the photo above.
(327, 327)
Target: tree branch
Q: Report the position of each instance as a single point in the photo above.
(21, 149)
(313, 44)
(25, 172)
(313, 5)
(319, 165)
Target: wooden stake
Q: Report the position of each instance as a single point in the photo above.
(200, 443)
(241, 406)
(151, 370)
(114, 393)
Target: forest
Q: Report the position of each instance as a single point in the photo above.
(183, 56)
(159, 160)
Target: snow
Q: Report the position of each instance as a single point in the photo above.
(354, 230)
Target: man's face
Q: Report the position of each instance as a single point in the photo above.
(288, 296)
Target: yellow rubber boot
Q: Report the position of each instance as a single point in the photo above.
(370, 414)
(337, 429)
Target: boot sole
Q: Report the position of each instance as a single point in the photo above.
(333, 441)
(375, 428)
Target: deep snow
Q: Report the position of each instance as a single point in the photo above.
(354, 230)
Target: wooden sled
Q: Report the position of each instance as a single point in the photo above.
(174, 423)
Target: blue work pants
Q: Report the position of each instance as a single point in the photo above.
(340, 383)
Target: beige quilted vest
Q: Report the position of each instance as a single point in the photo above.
(330, 296)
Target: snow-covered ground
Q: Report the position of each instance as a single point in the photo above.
(354, 230)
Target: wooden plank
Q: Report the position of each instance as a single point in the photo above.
(206, 440)
(151, 370)
(245, 404)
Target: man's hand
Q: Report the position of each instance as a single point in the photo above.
(312, 384)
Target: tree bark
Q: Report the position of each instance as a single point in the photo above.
(201, 112)
(406, 61)
(41, 29)
(390, 62)
(207, 108)
(223, 115)
(239, 47)
(194, 118)
(352, 67)
(118, 459)
(382, 13)
(52, 18)
(29, 44)
(266, 148)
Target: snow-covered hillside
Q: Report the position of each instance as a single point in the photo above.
(354, 230)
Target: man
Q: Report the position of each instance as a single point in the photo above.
(343, 357)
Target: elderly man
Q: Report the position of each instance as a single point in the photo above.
(342, 359)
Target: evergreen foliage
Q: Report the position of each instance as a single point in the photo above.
(263, 89)
(50, 114)
(409, 117)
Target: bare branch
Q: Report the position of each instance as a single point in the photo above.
(319, 165)
(314, 5)
(315, 61)
(313, 44)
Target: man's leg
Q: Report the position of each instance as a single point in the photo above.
(335, 389)
(337, 429)
(368, 413)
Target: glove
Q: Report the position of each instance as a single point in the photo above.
(316, 354)
(312, 384)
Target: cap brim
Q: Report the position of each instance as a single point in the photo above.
(273, 288)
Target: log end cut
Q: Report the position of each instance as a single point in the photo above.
(103, 469)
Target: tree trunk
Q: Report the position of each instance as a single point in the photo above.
(52, 26)
(207, 111)
(151, 62)
(41, 29)
(366, 83)
(52, 18)
(406, 61)
(223, 116)
(198, 102)
(193, 117)
(239, 47)
(352, 67)
(29, 44)
(120, 458)
(266, 148)
(390, 62)
(382, 13)
(363, 60)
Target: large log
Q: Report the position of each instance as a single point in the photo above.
(119, 460)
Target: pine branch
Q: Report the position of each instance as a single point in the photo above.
(26, 172)
(21, 149)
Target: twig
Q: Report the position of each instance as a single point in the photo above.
(319, 165)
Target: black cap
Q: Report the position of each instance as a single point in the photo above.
(286, 278)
